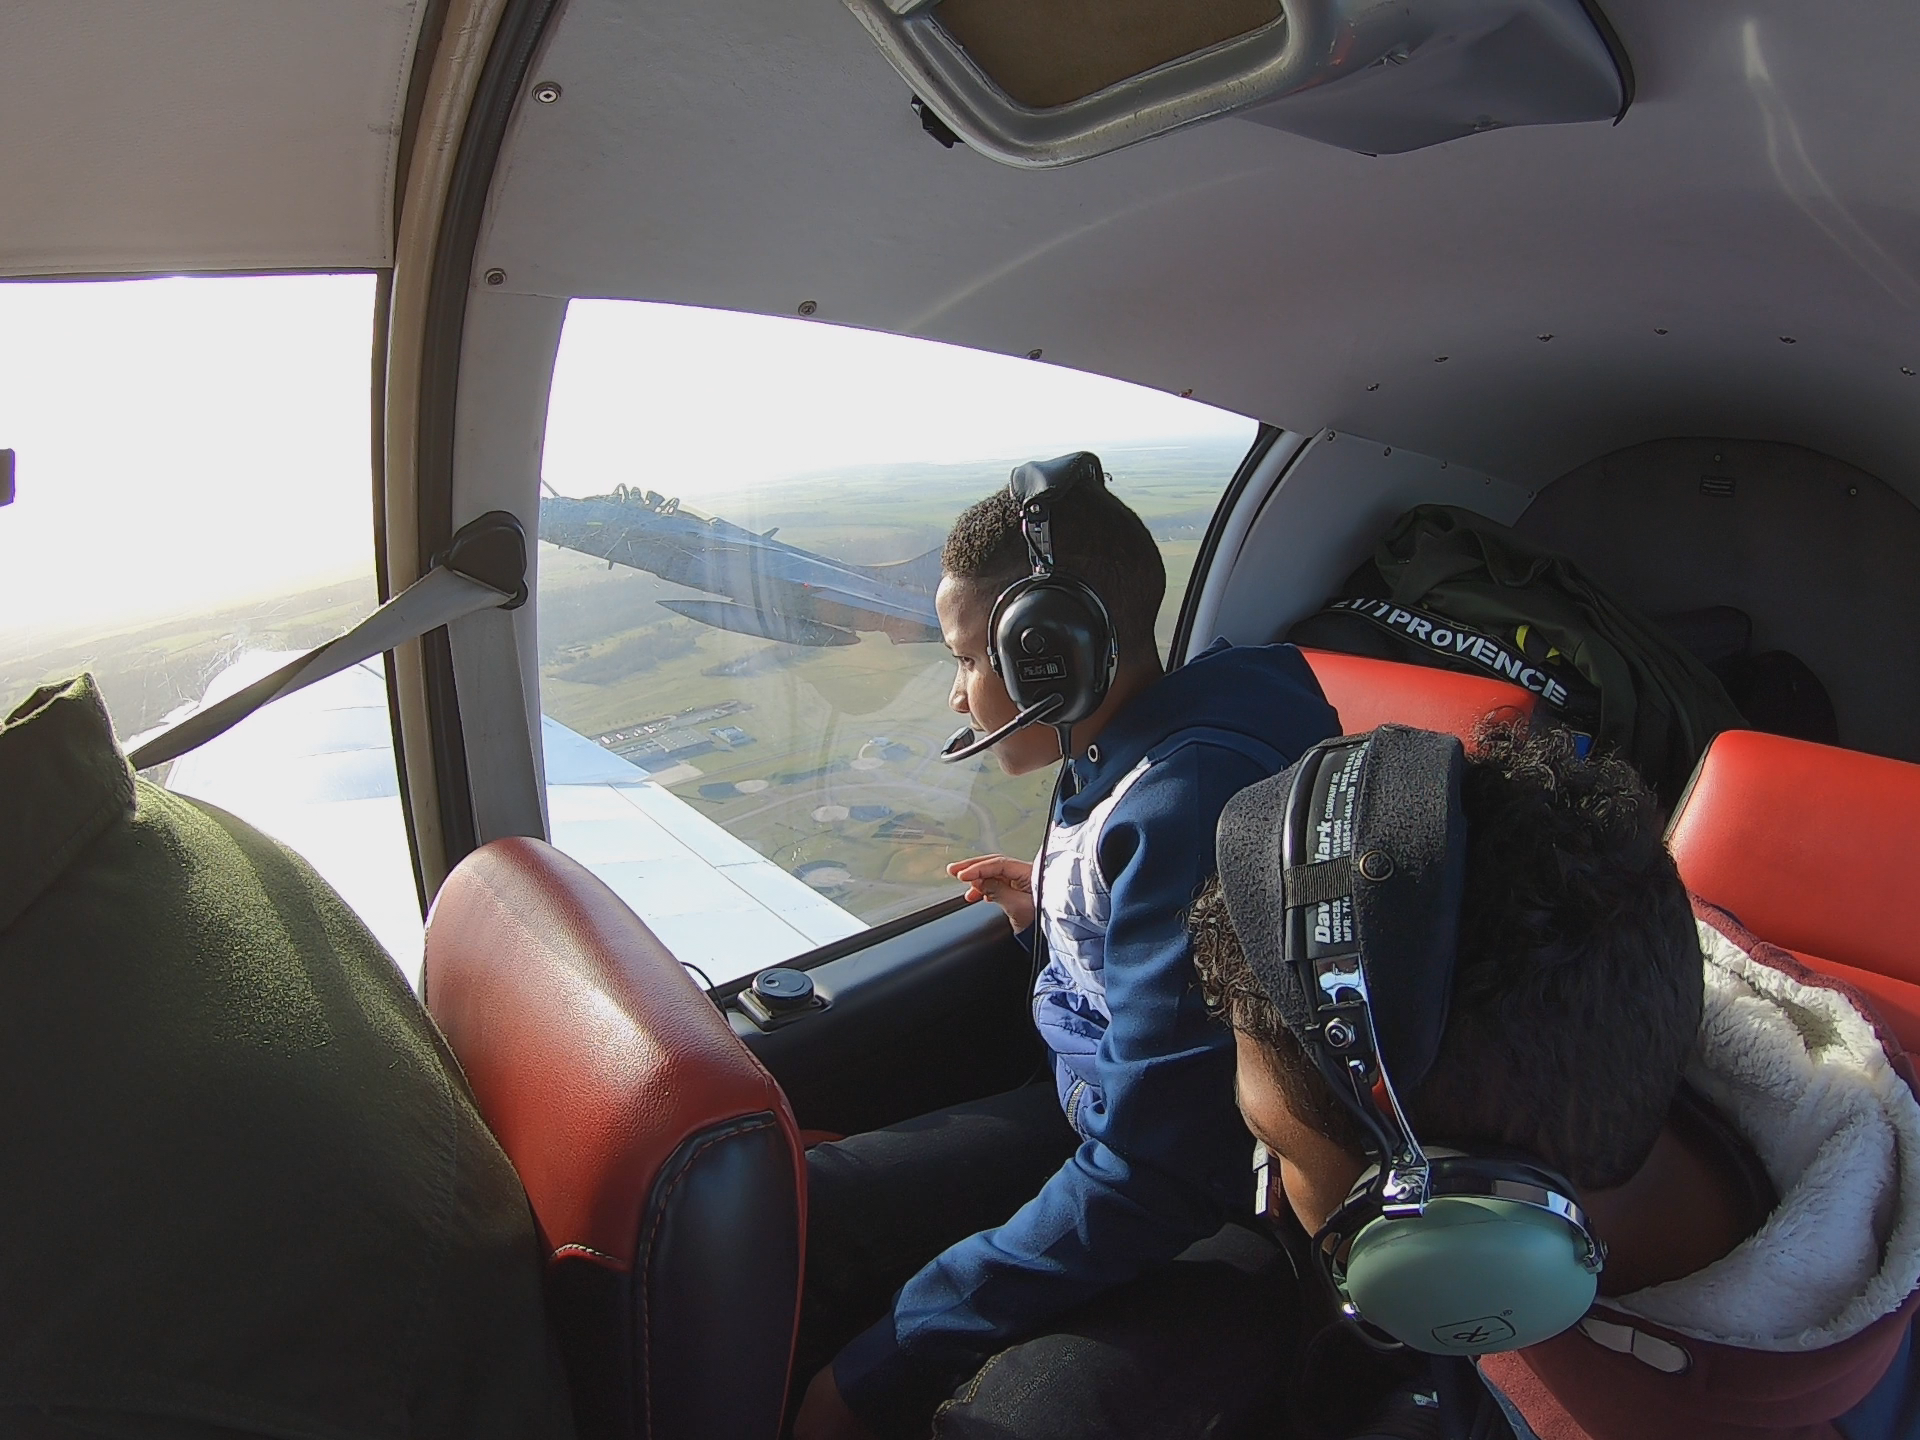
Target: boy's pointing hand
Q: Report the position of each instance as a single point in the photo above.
(1005, 881)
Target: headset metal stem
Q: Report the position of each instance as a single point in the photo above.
(1037, 525)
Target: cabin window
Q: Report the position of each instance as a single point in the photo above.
(195, 504)
(743, 688)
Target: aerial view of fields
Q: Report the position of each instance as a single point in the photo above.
(824, 759)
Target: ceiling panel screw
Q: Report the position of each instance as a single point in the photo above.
(546, 92)
(1659, 329)
(1906, 369)
(1547, 336)
(1788, 340)
(1374, 386)
(495, 277)
(1034, 354)
(807, 307)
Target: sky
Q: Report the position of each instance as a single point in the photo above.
(697, 403)
(182, 443)
(187, 444)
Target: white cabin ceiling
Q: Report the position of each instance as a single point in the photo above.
(200, 134)
(760, 153)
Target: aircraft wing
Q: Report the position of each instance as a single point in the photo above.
(882, 608)
(922, 572)
(714, 900)
(315, 770)
(766, 624)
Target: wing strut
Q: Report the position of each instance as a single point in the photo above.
(484, 568)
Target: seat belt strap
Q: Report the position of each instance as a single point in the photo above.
(483, 569)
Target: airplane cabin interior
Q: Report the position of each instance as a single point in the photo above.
(1636, 281)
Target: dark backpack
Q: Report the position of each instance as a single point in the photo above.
(1451, 588)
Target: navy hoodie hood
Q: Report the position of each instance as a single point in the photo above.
(1246, 697)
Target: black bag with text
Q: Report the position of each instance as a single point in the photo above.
(1451, 588)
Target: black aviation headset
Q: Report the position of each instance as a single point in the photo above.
(1049, 638)
(1343, 877)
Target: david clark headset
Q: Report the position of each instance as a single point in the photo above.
(1049, 639)
(1343, 877)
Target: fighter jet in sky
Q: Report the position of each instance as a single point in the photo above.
(773, 590)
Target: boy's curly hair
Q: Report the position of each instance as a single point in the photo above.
(1578, 989)
(1096, 538)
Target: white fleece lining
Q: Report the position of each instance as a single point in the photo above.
(1799, 1073)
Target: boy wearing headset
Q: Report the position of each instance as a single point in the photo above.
(1009, 1263)
(1645, 1049)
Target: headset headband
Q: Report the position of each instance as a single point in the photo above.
(1343, 876)
(1035, 486)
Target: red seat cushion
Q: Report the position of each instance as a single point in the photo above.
(665, 1170)
(1369, 693)
(1812, 848)
(591, 1052)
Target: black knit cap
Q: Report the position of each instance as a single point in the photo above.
(1380, 820)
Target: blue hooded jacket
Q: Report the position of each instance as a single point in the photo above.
(1145, 1074)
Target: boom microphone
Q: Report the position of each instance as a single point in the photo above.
(962, 745)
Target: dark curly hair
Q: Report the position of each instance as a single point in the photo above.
(1577, 994)
(1096, 538)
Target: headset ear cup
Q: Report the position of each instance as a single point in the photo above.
(1472, 1276)
(1051, 635)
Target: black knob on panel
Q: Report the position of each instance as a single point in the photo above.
(781, 989)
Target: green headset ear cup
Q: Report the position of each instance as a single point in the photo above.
(1471, 1276)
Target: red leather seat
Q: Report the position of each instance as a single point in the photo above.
(1815, 850)
(666, 1175)
(1369, 693)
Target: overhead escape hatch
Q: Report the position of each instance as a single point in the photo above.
(1039, 83)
